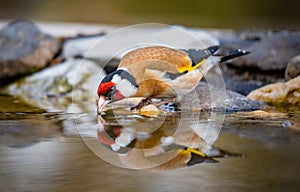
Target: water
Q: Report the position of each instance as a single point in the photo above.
(38, 154)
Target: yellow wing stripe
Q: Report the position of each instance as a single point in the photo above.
(190, 68)
(191, 150)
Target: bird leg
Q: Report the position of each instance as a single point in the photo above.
(164, 102)
(142, 103)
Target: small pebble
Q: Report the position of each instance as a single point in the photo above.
(149, 111)
(293, 68)
(286, 124)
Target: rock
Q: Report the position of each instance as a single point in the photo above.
(149, 111)
(123, 40)
(279, 93)
(233, 101)
(238, 102)
(58, 87)
(80, 45)
(293, 68)
(270, 50)
(128, 38)
(24, 49)
(270, 53)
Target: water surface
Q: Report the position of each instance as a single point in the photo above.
(38, 155)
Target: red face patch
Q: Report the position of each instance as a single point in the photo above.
(103, 88)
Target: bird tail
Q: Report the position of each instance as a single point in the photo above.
(198, 56)
(233, 54)
(219, 55)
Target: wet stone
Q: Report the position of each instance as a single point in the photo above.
(59, 86)
(233, 101)
(24, 49)
(287, 93)
(293, 68)
(270, 50)
(238, 102)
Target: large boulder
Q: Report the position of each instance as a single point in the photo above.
(270, 50)
(211, 98)
(287, 93)
(24, 49)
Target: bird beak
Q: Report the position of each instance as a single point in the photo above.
(102, 102)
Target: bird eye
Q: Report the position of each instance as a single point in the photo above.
(113, 89)
(111, 92)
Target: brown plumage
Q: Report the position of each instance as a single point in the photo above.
(157, 58)
(146, 63)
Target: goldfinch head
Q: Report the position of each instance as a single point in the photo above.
(118, 85)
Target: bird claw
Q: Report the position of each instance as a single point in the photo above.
(147, 101)
(141, 104)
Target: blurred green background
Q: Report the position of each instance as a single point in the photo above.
(191, 13)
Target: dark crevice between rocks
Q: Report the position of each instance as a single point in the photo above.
(246, 79)
(255, 73)
(58, 58)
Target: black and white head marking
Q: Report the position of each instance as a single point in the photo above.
(124, 81)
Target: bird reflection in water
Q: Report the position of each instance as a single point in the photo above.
(154, 143)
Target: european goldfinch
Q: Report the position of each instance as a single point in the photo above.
(157, 71)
